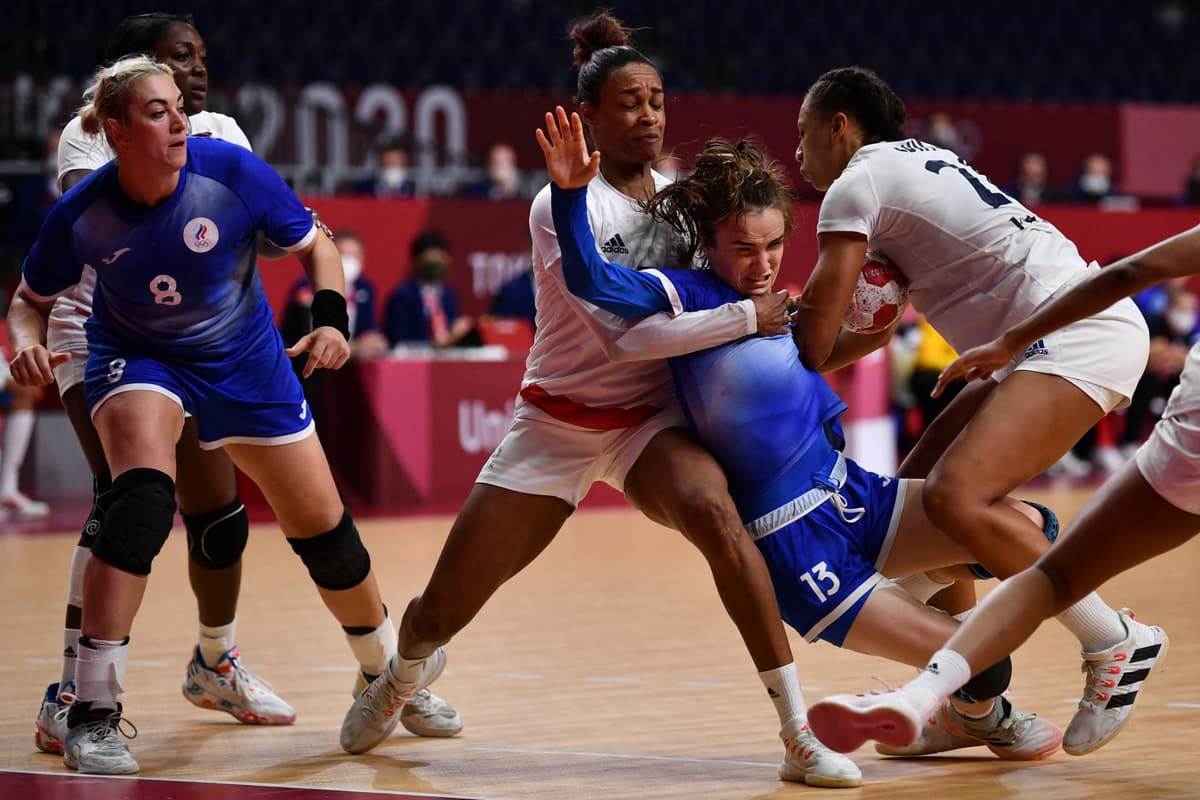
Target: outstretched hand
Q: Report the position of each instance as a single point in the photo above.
(568, 161)
(976, 364)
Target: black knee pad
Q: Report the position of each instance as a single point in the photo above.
(140, 514)
(988, 684)
(336, 559)
(101, 485)
(216, 539)
(1049, 530)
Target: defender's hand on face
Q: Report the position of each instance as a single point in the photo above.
(567, 158)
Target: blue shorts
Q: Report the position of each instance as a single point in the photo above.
(254, 398)
(825, 564)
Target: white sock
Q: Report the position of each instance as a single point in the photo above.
(100, 672)
(69, 657)
(946, 672)
(1094, 623)
(783, 687)
(18, 430)
(215, 641)
(921, 586)
(79, 562)
(374, 649)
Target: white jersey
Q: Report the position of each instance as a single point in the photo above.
(569, 364)
(977, 261)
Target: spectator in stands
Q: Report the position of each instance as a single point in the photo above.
(1031, 185)
(366, 341)
(502, 178)
(1191, 189)
(424, 309)
(393, 170)
(515, 300)
(940, 130)
(1094, 181)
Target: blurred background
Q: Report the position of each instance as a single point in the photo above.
(395, 119)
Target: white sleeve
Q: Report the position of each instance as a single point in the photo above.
(227, 128)
(664, 335)
(851, 204)
(78, 150)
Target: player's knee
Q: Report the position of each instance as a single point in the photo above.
(336, 560)
(992, 682)
(140, 514)
(216, 539)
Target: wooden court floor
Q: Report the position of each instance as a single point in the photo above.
(607, 670)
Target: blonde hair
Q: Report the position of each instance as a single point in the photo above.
(108, 93)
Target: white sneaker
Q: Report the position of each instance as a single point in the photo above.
(23, 507)
(1011, 734)
(425, 715)
(97, 747)
(374, 714)
(232, 688)
(808, 761)
(1114, 677)
(50, 729)
(845, 722)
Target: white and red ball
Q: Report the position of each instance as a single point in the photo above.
(879, 297)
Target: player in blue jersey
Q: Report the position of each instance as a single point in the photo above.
(830, 531)
(181, 325)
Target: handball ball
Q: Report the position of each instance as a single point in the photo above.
(880, 297)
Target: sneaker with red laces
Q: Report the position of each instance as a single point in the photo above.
(232, 688)
(1114, 678)
(376, 711)
(807, 761)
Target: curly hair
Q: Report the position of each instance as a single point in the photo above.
(728, 179)
(859, 93)
(141, 33)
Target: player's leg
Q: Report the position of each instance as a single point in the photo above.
(138, 430)
(677, 483)
(51, 726)
(893, 624)
(18, 433)
(217, 531)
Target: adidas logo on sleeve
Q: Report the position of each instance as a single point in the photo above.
(614, 245)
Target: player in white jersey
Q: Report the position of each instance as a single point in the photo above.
(1151, 505)
(212, 512)
(976, 261)
(581, 418)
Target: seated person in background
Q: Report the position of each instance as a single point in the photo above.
(393, 171)
(502, 178)
(423, 309)
(366, 341)
(1191, 187)
(1031, 180)
(1094, 182)
(515, 300)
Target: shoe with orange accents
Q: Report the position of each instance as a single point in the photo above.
(1114, 678)
(232, 688)
(50, 729)
(376, 712)
(808, 761)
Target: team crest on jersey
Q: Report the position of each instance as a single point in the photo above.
(201, 234)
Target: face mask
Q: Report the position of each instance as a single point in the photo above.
(431, 270)
(1095, 184)
(351, 268)
(393, 178)
(1181, 321)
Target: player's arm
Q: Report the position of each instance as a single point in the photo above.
(32, 364)
(1176, 257)
(817, 322)
(71, 178)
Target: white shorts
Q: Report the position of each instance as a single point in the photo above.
(544, 456)
(65, 333)
(1103, 355)
(1170, 458)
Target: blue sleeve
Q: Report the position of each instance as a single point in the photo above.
(51, 265)
(615, 288)
(273, 205)
(700, 289)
